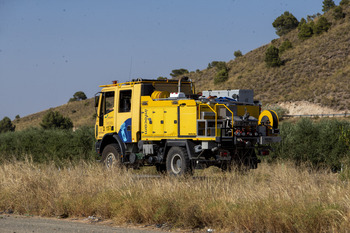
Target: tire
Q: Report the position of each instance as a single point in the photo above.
(111, 156)
(177, 162)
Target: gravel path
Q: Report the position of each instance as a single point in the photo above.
(19, 224)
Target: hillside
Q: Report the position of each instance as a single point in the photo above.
(316, 70)
(80, 112)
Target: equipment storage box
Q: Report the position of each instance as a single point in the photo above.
(246, 96)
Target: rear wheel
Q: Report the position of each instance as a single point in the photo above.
(111, 156)
(177, 162)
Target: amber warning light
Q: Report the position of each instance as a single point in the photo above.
(115, 82)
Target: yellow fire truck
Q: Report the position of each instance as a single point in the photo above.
(163, 123)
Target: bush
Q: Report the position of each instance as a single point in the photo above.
(306, 31)
(338, 13)
(79, 95)
(285, 23)
(272, 58)
(6, 125)
(221, 76)
(301, 23)
(238, 53)
(327, 5)
(219, 65)
(54, 119)
(222, 71)
(316, 143)
(322, 25)
(178, 72)
(55, 145)
(285, 46)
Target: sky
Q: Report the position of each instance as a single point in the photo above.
(50, 49)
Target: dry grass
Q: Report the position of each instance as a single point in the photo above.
(273, 198)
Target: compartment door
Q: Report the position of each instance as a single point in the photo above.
(188, 120)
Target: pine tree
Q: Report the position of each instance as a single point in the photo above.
(272, 58)
(327, 5)
(322, 25)
(285, 23)
(305, 31)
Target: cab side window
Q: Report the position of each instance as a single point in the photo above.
(125, 101)
(107, 102)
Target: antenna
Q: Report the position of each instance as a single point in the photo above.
(130, 70)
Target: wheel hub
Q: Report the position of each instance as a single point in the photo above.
(176, 163)
(110, 160)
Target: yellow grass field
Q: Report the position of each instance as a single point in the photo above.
(274, 198)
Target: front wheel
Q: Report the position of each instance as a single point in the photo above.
(111, 156)
(177, 162)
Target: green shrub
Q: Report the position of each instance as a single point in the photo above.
(285, 23)
(272, 58)
(54, 119)
(301, 23)
(54, 145)
(6, 125)
(327, 5)
(322, 25)
(222, 71)
(219, 65)
(306, 31)
(285, 46)
(238, 53)
(338, 13)
(221, 76)
(316, 143)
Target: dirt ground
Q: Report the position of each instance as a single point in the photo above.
(307, 108)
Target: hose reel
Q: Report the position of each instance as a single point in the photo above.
(268, 118)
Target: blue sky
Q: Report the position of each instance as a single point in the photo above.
(49, 49)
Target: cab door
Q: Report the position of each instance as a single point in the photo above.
(124, 114)
(106, 114)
